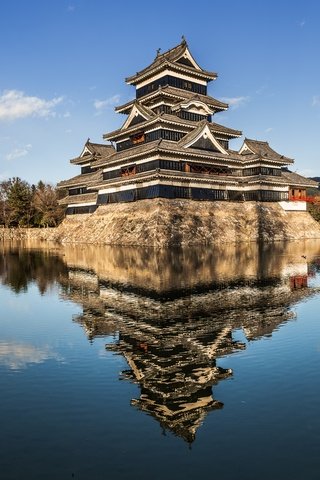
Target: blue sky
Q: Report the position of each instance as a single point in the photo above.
(63, 65)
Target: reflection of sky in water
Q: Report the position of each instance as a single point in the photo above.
(175, 327)
(17, 356)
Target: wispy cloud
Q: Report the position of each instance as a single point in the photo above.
(18, 152)
(316, 101)
(302, 23)
(4, 176)
(269, 129)
(4, 139)
(261, 89)
(100, 105)
(15, 104)
(17, 356)
(71, 8)
(236, 102)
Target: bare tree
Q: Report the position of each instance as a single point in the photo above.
(47, 211)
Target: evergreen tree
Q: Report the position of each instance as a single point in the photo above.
(4, 208)
(25, 205)
(19, 198)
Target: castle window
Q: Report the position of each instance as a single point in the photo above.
(128, 171)
(138, 138)
(173, 82)
(207, 169)
(187, 85)
(194, 117)
(77, 191)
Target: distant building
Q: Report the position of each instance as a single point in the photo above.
(169, 147)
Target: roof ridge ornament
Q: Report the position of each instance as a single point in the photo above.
(183, 40)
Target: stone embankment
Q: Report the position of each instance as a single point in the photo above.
(177, 222)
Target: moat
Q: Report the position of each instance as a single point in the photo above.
(141, 363)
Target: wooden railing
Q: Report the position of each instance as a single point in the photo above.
(303, 199)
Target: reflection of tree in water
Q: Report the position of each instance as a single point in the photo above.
(18, 268)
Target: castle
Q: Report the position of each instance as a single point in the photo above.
(170, 147)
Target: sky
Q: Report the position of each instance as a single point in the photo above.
(64, 63)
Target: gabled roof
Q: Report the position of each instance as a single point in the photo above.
(169, 119)
(93, 151)
(157, 147)
(204, 135)
(139, 113)
(178, 95)
(262, 149)
(230, 132)
(171, 58)
(176, 53)
(194, 102)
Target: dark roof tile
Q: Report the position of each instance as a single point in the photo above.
(96, 150)
(84, 179)
(75, 199)
(179, 94)
(263, 149)
(168, 58)
(171, 119)
(294, 179)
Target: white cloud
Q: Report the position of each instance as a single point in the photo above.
(108, 102)
(302, 23)
(236, 102)
(18, 152)
(316, 101)
(17, 356)
(269, 129)
(14, 104)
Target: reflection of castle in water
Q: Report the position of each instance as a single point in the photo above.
(172, 346)
(174, 362)
(172, 337)
(172, 315)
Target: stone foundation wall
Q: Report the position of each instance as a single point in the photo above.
(160, 222)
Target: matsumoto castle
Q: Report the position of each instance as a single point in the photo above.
(169, 146)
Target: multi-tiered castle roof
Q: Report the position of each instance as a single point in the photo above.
(169, 146)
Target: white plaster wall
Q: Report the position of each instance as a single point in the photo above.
(294, 206)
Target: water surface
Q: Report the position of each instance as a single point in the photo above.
(136, 363)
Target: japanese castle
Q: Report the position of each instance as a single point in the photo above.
(170, 147)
